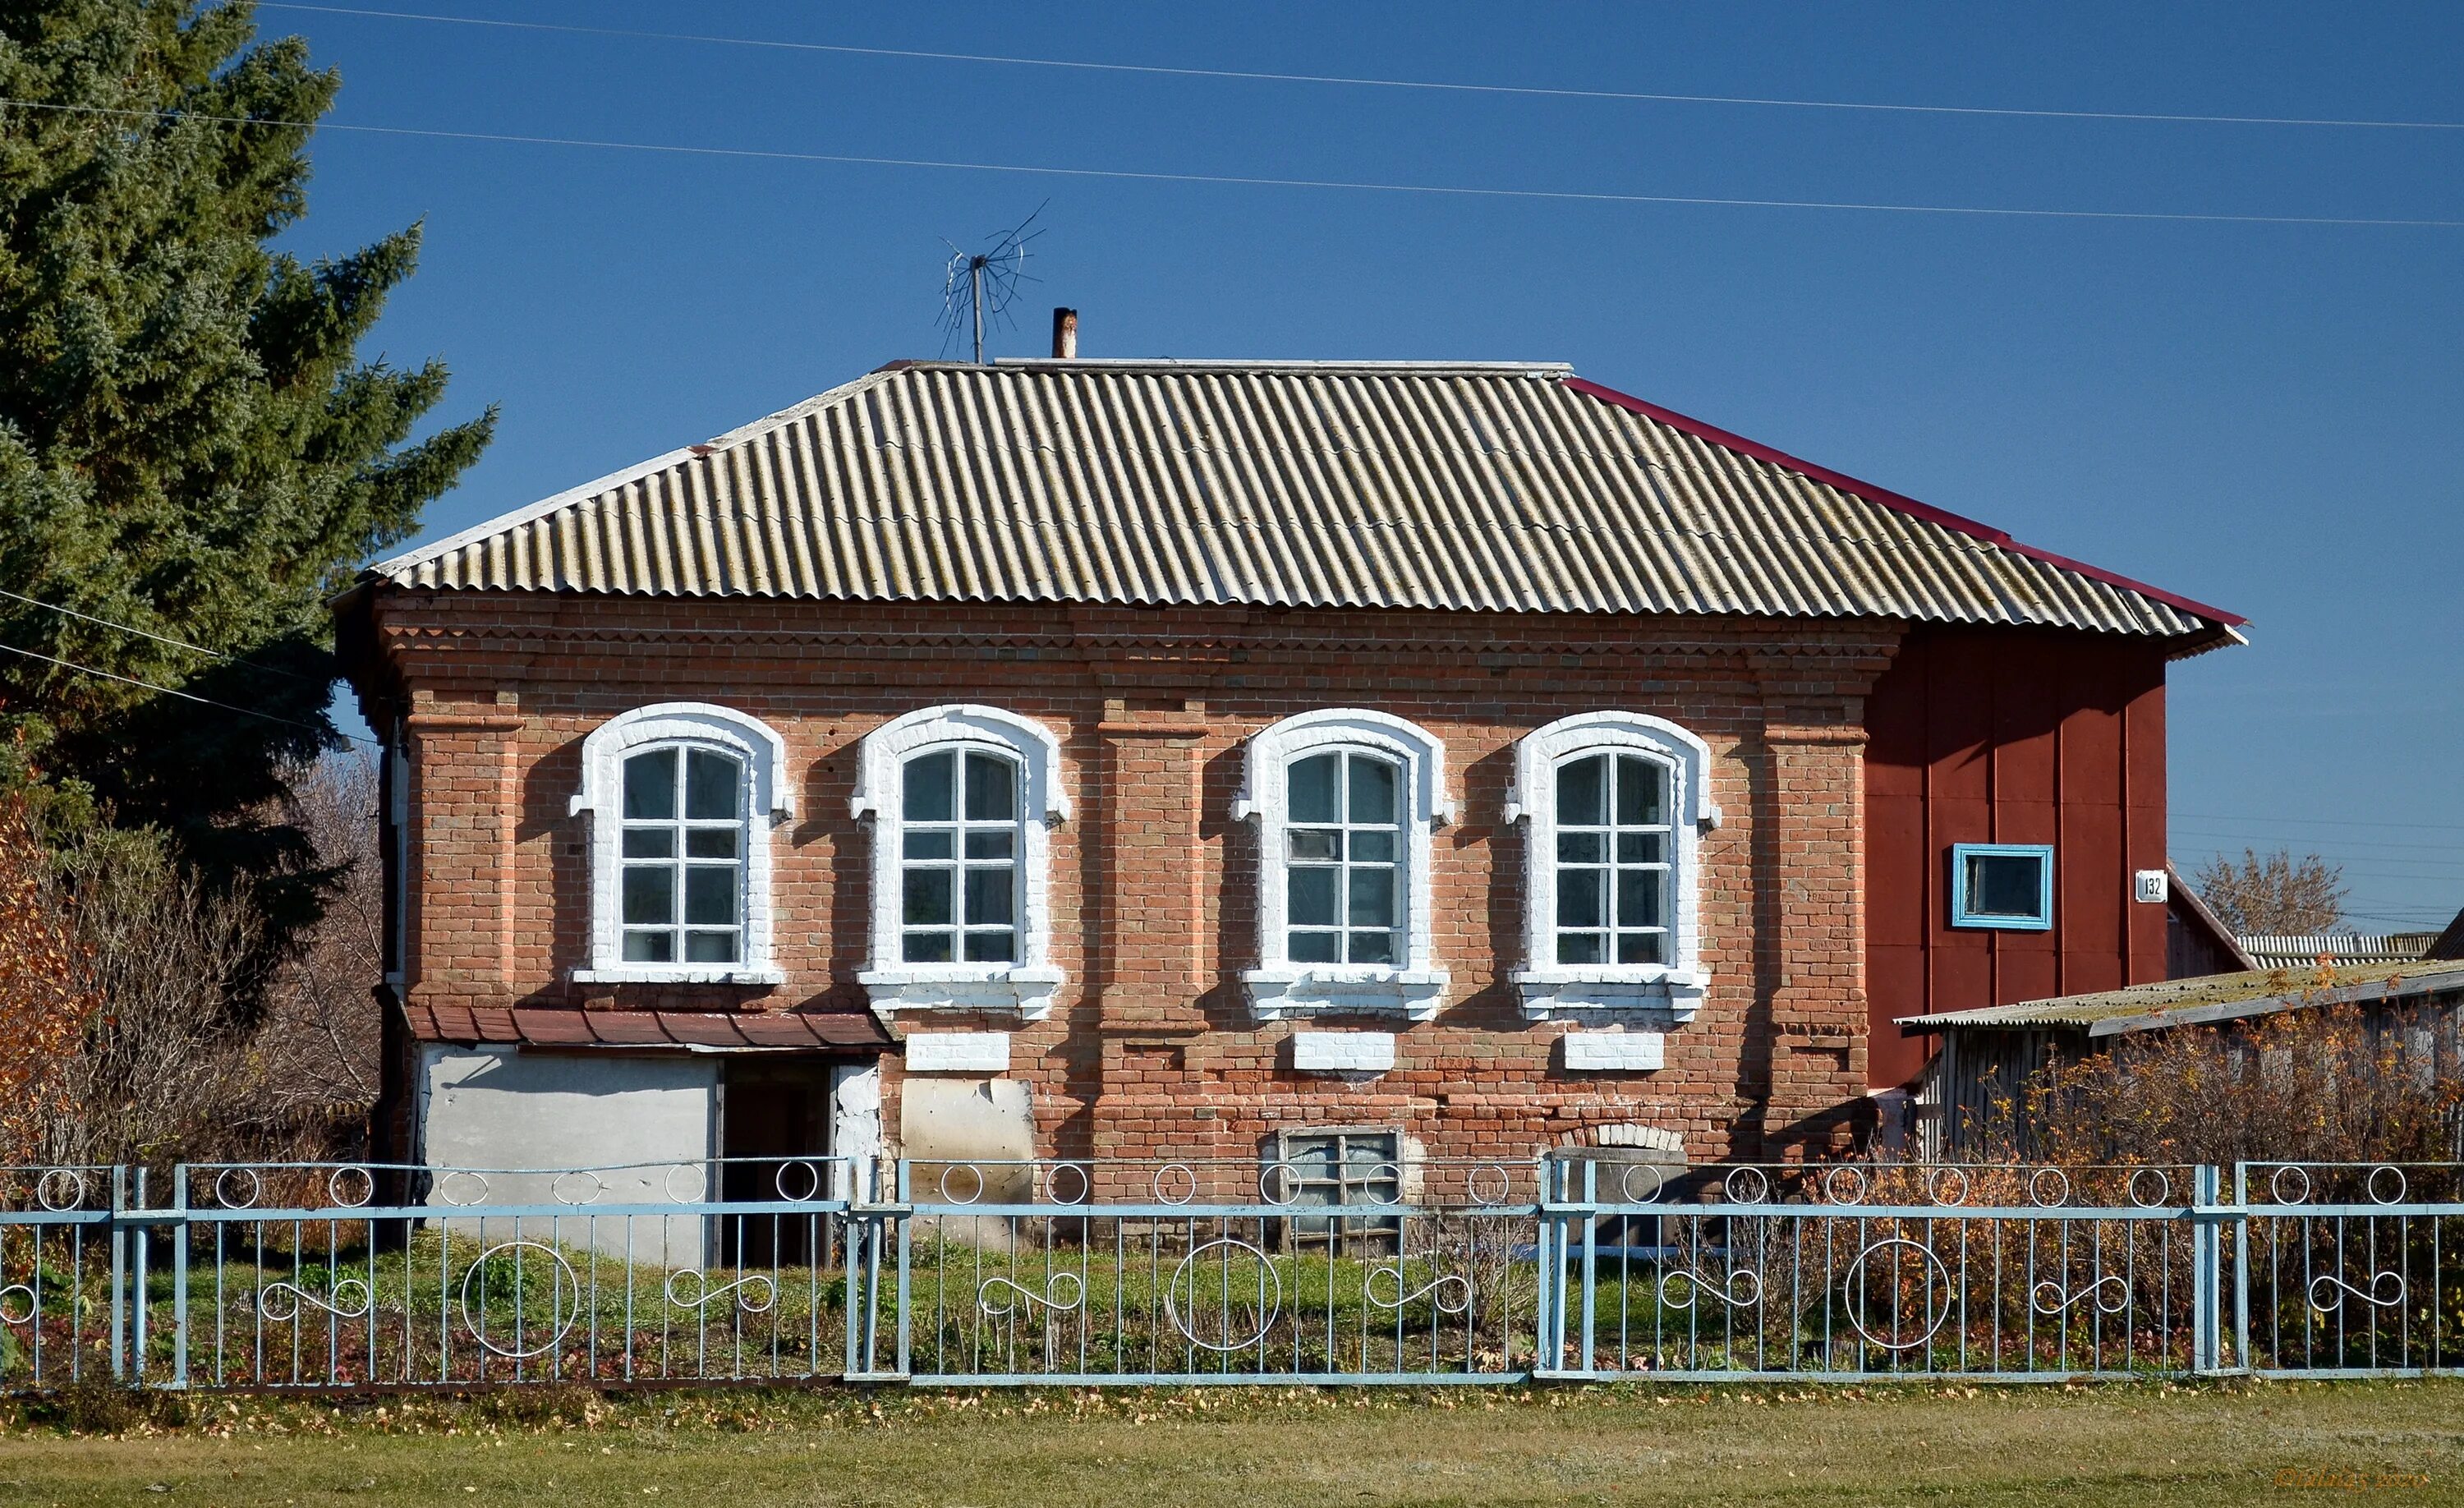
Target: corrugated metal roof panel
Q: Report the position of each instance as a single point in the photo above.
(2304, 951)
(2141, 1007)
(1300, 484)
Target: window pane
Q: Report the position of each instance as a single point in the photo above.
(714, 785)
(1315, 947)
(1372, 898)
(1582, 795)
(925, 948)
(928, 900)
(1372, 948)
(2004, 885)
(710, 948)
(928, 845)
(994, 845)
(650, 784)
(990, 948)
(1642, 847)
(1314, 844)
(1638, 898)
(1374, 847)
(649, 895)
(1579, 947)
(1640, 948)
(650, 842)
(988, 897)
(1641, 793)
(1580, 848)
(1580, 902)
(710, 895)
(992, 789)
(927, 796)
(650, 948)
(1310, 895)
(1373, 790)
(1313, 789)
(710, 842)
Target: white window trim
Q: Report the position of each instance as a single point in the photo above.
(1279, 988)
(1670, 990)
(1026, 987)
(769, 803)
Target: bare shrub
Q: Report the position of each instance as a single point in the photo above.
(44, 1004)
(318, 1046)
(2274, 894)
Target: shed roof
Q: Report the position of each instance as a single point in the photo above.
(2215, 997)
(1506, 486)
(668, 1030)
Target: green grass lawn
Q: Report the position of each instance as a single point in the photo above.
(2381, 1442)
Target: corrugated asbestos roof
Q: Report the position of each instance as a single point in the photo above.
(2302, 951)
(1510, 488)
(2222, 996)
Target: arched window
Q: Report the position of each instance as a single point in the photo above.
(1345, 801)
(1613, 803)
(962, 798)
(681, 798)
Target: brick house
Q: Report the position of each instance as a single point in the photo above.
(1316, 760)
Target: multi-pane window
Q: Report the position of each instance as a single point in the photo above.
(1344, 838)
(683, 849)
(1613, 846)
(959, 858)
(1343, 1167)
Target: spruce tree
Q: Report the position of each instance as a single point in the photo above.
(190, 441)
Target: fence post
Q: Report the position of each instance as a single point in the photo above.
(1548, 1273)
(906, 1205)
(2207, 1263)
(2241, 1267)
(180, 1280)
(118, 1273)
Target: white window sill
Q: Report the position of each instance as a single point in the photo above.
(1280, 992)
(1024, 990)
(679, 973)
(1597, 992)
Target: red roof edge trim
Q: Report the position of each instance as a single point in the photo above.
(1895, 501)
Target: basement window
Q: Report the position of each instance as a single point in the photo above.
(1355, 1169)
(2002, 886)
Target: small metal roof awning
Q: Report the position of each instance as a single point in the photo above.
(2214, 999)
(845, 1031)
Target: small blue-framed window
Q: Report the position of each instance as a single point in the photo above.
(2006, 886)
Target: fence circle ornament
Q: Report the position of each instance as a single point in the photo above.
(973, 1194)
(755, 1292)
(1174, 1183)
(339, 1180)
(1746, 1186)
(1384, 1186)
(18, 1293)
(1941, 1190)
(2275, 1185)
(450, 1192)
(1184, 1284)
(73, 1177)
(812, 1181)
(1014, 1296)
(1053, 1186)
(229, 1200)
(590, 1196)
(338, 1300)
(701, 1183)
(1845, 1185)
(1935, 1314)
(2060, 1187)
(1480, 1195)
(1625, 1183)
(1280, 1184)
(2370, 1185)
(2163, 1187)
(561, 1282)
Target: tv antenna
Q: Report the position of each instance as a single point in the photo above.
(975, 284)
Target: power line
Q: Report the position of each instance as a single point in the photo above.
(148, 633)
(188, 697)
(1368, 82)
(2318, 821)
(1255, 181)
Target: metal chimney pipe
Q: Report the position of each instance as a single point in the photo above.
(1064, 335)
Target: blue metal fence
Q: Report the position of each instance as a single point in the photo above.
(1423, 1271)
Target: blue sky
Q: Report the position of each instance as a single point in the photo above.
(2261, 416)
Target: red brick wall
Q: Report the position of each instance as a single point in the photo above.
(1151, 1049)
(2014, 737)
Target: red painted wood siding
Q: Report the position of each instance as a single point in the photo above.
(2013, 737)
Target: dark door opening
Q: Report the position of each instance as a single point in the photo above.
(775, 1136)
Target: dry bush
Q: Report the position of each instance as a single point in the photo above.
(2274, 894)
(318, 1046)
(2331, 1084)
(43, 1003)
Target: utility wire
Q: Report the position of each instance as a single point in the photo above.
(188, 697)
(1251, 181)
(1363, 82)
(148, 633)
